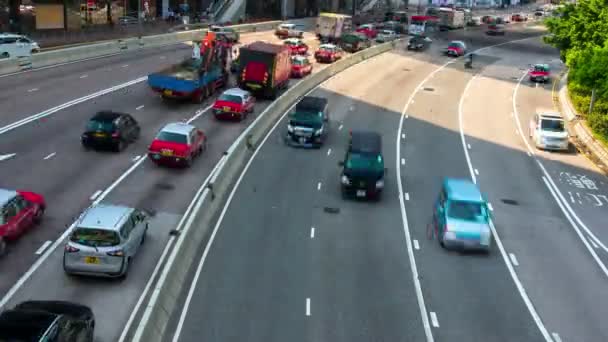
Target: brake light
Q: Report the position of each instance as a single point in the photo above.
(243, 74)
(70, 249)
(116, 134)
(265, 77)
(117, 253)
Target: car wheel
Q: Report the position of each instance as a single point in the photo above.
(2, 246)
(38, 216)
(189, 161)
(86, 147)
(198, 97)
(120, 145)
(125, 269)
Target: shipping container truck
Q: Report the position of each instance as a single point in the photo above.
(264, 68)
(449, 18)
(331, 26)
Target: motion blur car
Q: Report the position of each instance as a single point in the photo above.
(234, 103)
(486, 19)
(456, 48)
(300, 66)
(105, 241)
(289, 30)
(19, 211)
(296, 46)
(419, 43)
(47, 321)
(308, 124)
(328, 53)
(108, 129)
(16, 45)
(461, 216)
(548, 131)
(355, 41)
(519, 17)
(386, 36)
(475, 21)
(228, 33)
(363, 166)
(495, 30)
(540, 73)
(177, 143)
(369, 30)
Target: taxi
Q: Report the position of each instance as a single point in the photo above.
(234, 103)
(300, 66)
(328, 53)
(456, 48)
(19, 211)
(369, 30)
(177, 143)
(289, 30)
(540, 73)
(296, 46)
(461, 218)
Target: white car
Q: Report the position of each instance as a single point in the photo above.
(15, 45)
(289, 30)
(386, 36)
(548, 131)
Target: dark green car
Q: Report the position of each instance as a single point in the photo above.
(363, 166)
(355, 41)
(308, 125)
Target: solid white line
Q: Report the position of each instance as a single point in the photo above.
(402, 161)
(490, 206)
(434, 319)
(329, 151)
(312, 232)
(416, 244)
(319, 186)
(594, 244)
(340, 128)
(505, 257)
(307, 306)
(139, 107)
(477, 172)
(407, 196)
(32, 90)
(71, 103)
(95, 195)
(513, 259)
(50, 156)
(84, 76)
(136, 158)
(43, 247)
(556, 337)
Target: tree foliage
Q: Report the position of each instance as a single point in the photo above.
(589, 67)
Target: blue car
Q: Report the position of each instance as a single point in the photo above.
(461, 216)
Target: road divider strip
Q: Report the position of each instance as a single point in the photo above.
(164, 299)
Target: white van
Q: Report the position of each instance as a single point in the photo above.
(15, 45)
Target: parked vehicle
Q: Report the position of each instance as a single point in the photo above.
(47, 321)
(308, 124)
(419, 43)
(177, 143)
(16, 45)
(355, 41)
(288, 30)
(461, 218)
(368, 30)
(495, 30)
(386, 36)
(540, 73)
(363, 169)
(456, 48)
(300, 66)
(331, 26)
(234, 103)
(548, 131)
(265, 68)
(105, 241)
(110, 129)
(296, 46)
(19, 211)
(328, 53)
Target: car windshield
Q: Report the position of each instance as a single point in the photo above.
(291, 42)
(95, 237)
(455, 45)
(541, 68)
(172, 137)
(100, 125)
(298, 62)
(463, 210)
(326, 49)
(230, 98)
(364, 161)
(552, 125)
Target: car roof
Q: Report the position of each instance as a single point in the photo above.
(462, 190)
(264, 47)
(178, 127)
(6, 195)
(457, 42)
(236, 92)
(366, 142)
(24, 325)
(105, 216)
(106, 115)
(551, 116)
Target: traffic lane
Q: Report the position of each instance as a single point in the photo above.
(472, 294)
(34, 92)
(289, 261)
(550, 261)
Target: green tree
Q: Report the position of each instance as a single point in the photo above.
(589, 68)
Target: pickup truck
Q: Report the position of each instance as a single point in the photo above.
(264, 68)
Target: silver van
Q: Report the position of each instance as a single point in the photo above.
(105, 240)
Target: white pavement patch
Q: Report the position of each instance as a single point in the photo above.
(51, 155)
(7, 156)
(434, 319)
(44, 246)
(513, 259)
(329, 151)
(402, 161)
(407, 196)
(307, 306)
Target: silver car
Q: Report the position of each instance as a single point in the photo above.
(105, 240)
(386, 36)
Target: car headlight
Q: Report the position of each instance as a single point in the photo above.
(289, 128)
(380, 184)
(449, 236)
(345, 180)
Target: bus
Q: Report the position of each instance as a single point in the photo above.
(423, 25)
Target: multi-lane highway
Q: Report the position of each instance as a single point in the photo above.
(282, 267)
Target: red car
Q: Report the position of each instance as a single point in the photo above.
(328, 53)
(300, 66)
(540, 73)
(177, 143)
(234, 103)
(369, 30)
(456, 48)
(19, 211)
(518, 17)
(296, 46)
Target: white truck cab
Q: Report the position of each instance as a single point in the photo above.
(548, 131)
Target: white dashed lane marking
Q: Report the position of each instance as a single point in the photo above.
(95, 195)
(513, 259)
(44, 246)
(50, 156)
(434, 319)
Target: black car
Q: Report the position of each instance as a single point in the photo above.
(37, 321)
(110, 129)
(419, 43)
(363, 166)
(308, 125)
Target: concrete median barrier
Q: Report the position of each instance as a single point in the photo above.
(174, 278)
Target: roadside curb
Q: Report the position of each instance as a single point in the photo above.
(581, 135)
